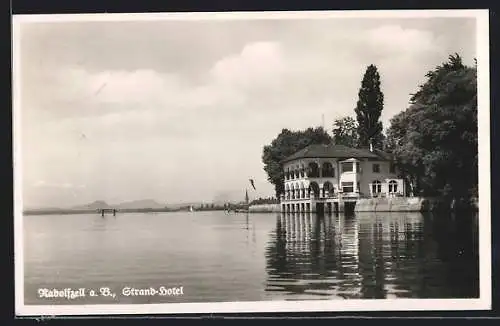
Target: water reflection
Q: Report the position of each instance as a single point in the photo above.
(373, 256)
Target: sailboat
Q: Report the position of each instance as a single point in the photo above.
(245, 209)
(191, 209)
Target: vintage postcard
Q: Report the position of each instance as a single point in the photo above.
(251, 162)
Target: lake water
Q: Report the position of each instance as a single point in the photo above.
(217, 257)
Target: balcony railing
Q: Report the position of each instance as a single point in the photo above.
(342, 195)
(311, 195)
(320, 175)
(386, 195)
(354, 194)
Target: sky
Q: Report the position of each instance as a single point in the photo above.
(179, 110)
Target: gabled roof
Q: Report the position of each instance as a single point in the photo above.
(337, 151)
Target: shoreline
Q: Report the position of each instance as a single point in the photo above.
(396, 204)
(96, 211)
(401, 204)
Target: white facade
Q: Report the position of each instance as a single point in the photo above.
(330, 181)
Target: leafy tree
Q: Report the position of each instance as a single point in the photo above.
(285, 144)
(435, 140)
(369, 108)
(345, 132)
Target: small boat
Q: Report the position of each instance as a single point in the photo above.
(191, 209)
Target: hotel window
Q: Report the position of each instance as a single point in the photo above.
(347, 186)
(393, 186)
(313, 170)
(392, 168)
(327, 170)
(376, 187)
(347, 167)
(376, 168)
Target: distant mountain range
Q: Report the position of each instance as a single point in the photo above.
(228, 196)
(95, 205)
(145, 203)
(130, 205)
(135, 204)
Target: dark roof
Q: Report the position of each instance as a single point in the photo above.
(384, 155)
(337, 151)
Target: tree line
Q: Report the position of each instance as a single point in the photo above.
(264, 201)
(433, 140)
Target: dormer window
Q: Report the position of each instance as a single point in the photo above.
(347, 166)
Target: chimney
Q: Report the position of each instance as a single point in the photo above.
(371, 146)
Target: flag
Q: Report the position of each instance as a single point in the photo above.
(253, 185)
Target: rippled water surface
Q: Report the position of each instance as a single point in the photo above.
(216, 256)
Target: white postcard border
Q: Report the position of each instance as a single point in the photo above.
(483, 303)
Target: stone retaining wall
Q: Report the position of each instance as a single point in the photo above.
(399, 204)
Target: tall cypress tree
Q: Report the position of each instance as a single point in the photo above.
(369, 108)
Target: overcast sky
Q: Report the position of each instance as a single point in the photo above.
(180, 110)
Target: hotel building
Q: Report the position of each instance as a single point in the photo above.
(328, 178)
